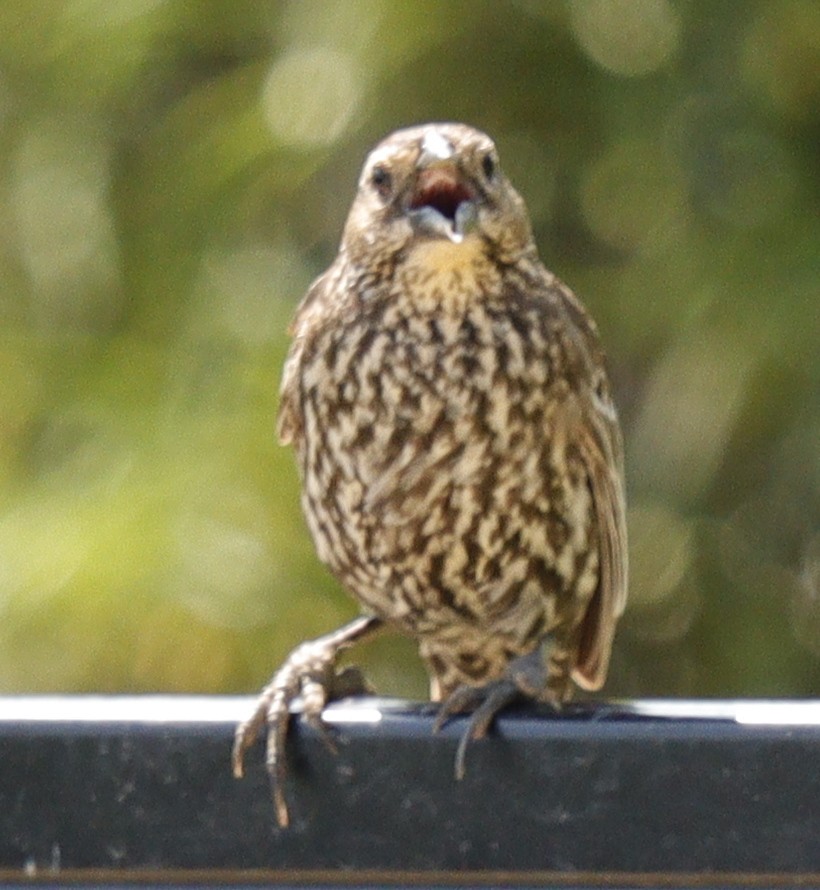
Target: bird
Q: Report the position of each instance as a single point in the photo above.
(460, 454)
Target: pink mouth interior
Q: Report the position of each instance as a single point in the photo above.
(442, 190)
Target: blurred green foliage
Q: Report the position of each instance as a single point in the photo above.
(174, 173)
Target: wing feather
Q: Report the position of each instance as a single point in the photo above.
(310, 311)
(599, 442)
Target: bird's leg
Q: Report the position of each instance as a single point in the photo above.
(309, 672)
(529, 676)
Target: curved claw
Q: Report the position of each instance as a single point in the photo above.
(461, 700)
(485, 702)
(278, 719)
(526, 677)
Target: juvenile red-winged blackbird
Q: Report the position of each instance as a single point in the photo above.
(460, 455)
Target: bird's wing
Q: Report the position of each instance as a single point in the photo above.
(598, 438)
(312, 307)
(289, 416)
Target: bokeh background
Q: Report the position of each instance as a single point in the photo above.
(174, 173)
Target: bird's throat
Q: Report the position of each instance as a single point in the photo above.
(444, 274)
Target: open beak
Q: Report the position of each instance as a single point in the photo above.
(442, 201)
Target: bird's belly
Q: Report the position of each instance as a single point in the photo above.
(446, 526)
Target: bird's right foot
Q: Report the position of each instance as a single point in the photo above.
(307, 673)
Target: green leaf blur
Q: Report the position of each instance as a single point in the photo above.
(173, 175)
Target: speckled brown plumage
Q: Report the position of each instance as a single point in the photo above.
(460, 455)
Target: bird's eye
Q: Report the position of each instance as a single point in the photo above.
(489, 166)
(382, 180)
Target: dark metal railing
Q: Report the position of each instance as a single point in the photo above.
(104, 790)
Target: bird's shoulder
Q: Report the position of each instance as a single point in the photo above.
(311, 313)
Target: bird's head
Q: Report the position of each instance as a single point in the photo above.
(436, 182)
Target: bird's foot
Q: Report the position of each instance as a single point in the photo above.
(525, 678)
(308, 672)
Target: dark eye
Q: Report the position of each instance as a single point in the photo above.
(489, 166)
(382, 180)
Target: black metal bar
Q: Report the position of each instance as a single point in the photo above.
(112, 789)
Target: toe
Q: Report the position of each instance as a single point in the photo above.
(461, 700)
